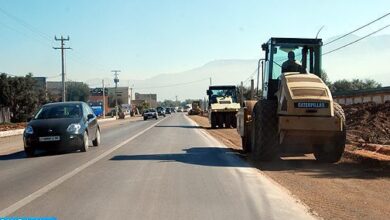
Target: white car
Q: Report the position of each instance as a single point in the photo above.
(150, 113)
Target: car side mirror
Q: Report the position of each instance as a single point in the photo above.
(208, 92)
(90, 116)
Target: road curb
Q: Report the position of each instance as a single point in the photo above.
(11, 133)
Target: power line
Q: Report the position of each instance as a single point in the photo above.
(250, 76)
(25, 24)
(356, 40)
(357, 29)
(76, 56)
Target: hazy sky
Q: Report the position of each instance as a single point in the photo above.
(144, 38)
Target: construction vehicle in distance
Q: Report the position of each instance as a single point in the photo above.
(196, 108)
(223, 106)
(296, 113)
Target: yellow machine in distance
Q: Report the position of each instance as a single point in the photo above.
(223, 106)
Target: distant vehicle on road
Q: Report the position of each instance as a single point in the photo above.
(97, 110)
(61, 126)
(111, 113)
(168, 111)
(150, 113)
(161, 111)
(179, 110)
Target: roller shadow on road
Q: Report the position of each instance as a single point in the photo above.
(190, 126)
(203, 156)
(177, 126)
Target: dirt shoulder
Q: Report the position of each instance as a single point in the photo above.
(345, 190)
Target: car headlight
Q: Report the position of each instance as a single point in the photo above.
(73, 128)
(29, 130)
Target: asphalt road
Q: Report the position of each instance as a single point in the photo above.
(155, 169)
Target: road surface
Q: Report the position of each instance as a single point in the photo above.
(155, 169)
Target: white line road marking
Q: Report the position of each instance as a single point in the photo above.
(26, 200)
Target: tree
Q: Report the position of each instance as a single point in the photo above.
(20, 95)
(4, 90)
(247, 93)
(167, 103)
(77, 91)
(354, 84)
(325, 78)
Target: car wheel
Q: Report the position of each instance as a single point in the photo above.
(29, 151)
(145, 118)
(85, 143)
(96, 142)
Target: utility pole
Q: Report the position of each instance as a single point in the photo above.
(116, 81)
(261, 61)
(62, 48)
(252, 88)
(242, 93)
(211, 82)
(104, 100)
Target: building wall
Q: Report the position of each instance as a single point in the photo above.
(99, 99)
(362, 97)
(386, 98)
(149, 98)
(123, 94)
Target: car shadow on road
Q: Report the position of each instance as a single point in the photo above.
(13, 156)
(307, 166)
(22, 155)
(203, 156)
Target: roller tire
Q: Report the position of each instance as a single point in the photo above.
(228, 122)
(213, 121)
(331, 153)
(234, 121)
(265, 137)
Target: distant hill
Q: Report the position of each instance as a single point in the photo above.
(194, 83)
(365, 59)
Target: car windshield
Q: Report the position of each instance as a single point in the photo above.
(59, 111)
